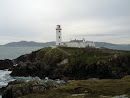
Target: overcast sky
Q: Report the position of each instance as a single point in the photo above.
(36, 20)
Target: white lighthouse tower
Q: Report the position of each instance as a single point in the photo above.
(58, 35)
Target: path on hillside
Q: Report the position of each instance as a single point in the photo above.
(64, 51)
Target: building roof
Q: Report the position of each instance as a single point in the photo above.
(76, 40)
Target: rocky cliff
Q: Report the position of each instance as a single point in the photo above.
(73, 63)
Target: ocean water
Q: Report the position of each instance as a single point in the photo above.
(127, 48)
(5, 78)
(14, 52)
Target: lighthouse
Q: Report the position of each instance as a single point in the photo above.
(58, 35)
(73, 43)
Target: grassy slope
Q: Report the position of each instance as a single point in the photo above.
(52, 55)
(91, 88)
(93, 55)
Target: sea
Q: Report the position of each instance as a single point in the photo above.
(14, 52)
(119, 47)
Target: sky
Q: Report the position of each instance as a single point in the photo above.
(36, 20)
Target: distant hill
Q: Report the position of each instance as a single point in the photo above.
(37, 44)
(103, 44)
(29, 44)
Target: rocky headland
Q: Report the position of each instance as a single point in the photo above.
(73, 63)
(104, 67)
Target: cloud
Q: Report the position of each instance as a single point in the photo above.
(36, 19)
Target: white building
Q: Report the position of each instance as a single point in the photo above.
(72, 43)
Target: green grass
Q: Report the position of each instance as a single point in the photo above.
(72, 51)
(101, 87)
(88, 55)
(53, 55)
(93, 58)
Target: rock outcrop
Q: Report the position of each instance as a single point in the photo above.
(41, 63)
(6, 64)
(16, 89)
(91, 88)
(37, 69)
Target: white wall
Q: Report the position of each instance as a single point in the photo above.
(78, 44)
(74, 44)
(58, 37)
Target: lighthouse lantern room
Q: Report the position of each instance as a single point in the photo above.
(58, 35)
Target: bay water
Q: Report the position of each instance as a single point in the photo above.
(119, 47)
(14, 52)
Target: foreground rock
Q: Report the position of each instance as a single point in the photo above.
(6, 64)
(91, 88)
(16, 89)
